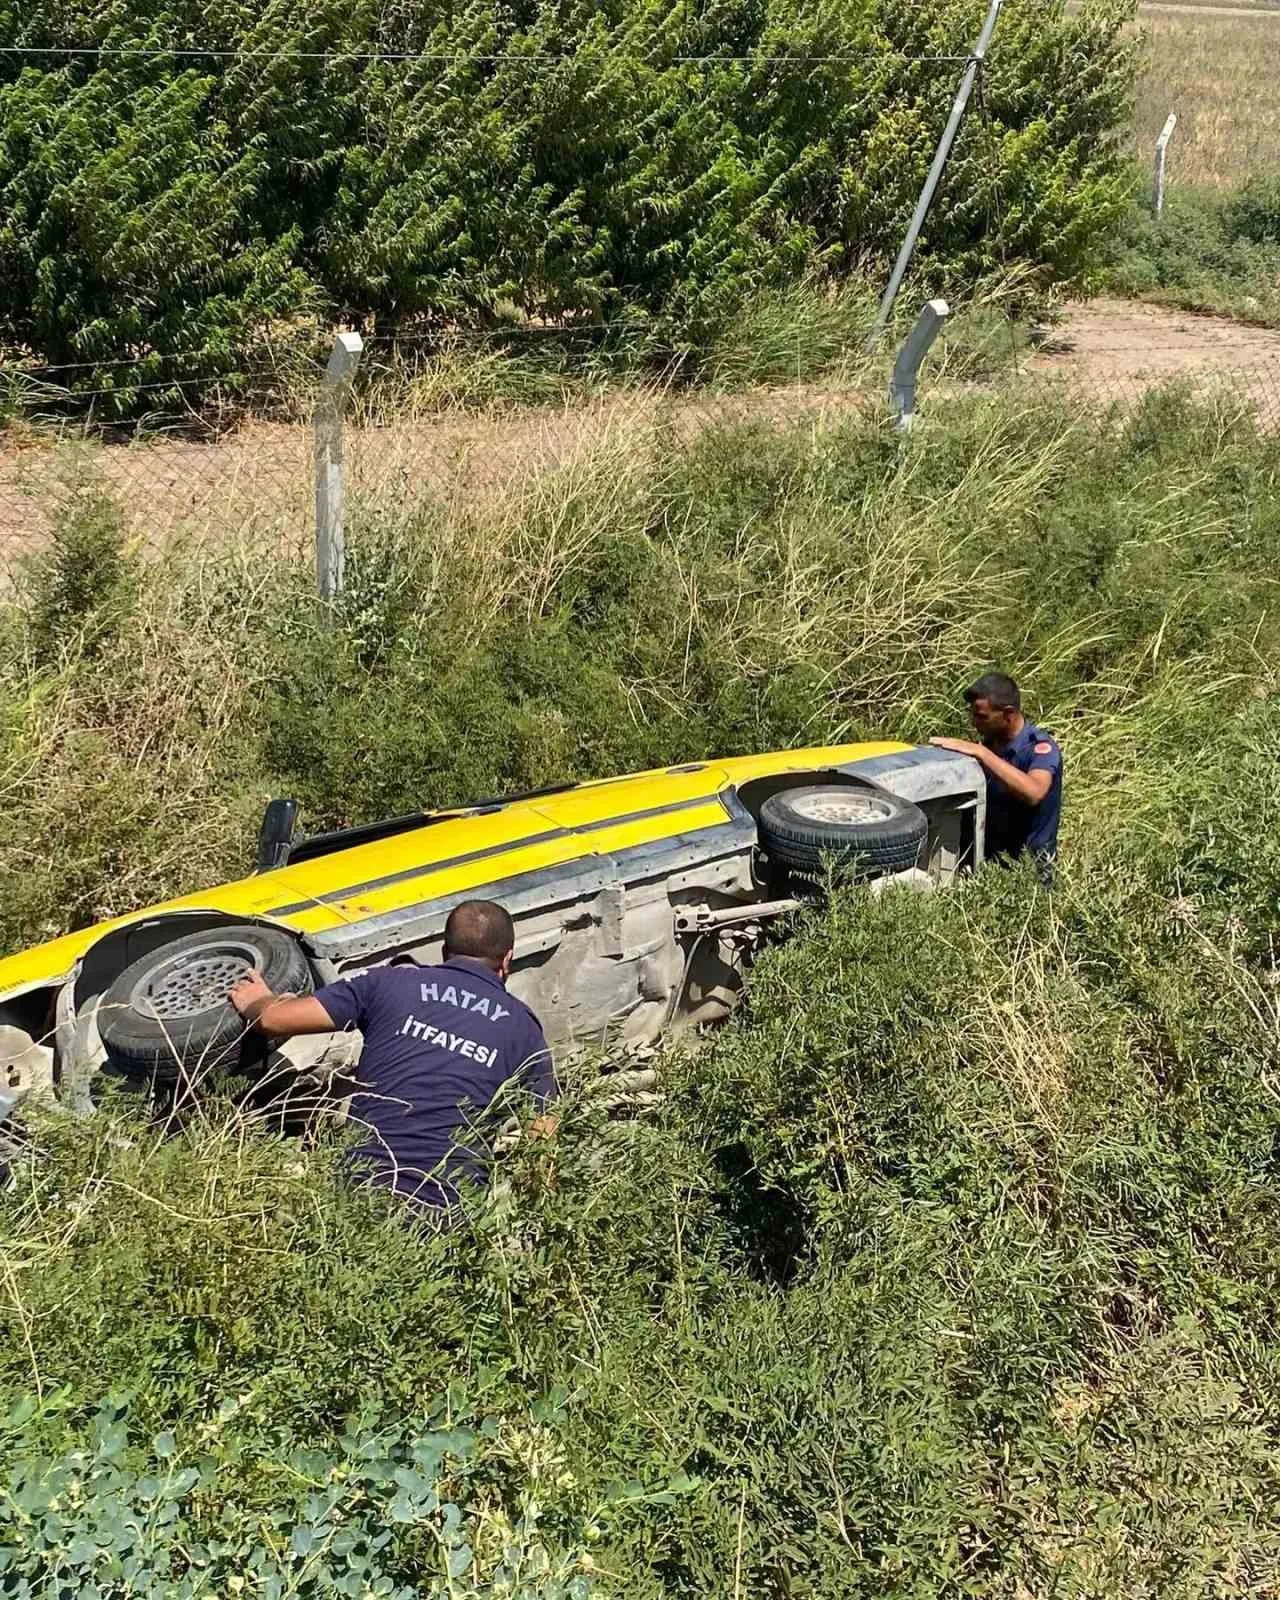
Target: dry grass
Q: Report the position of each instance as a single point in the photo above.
(1219, 73)
(255, 482)
(1227, 6)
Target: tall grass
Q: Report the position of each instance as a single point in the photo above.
(1207, 252)
(948, 1269)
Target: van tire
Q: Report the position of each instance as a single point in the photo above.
(863, 830)
(166, 1017)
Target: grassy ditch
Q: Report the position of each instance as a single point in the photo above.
(949, 1269)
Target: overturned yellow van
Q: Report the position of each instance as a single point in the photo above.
(638, 902)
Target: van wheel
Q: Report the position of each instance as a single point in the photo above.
(867, 831)
(168, 1014)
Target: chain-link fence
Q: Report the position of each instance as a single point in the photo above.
(430, 437)
(1237, 380)
(170, 484)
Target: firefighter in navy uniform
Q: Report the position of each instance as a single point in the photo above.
(1023, 767)
(441, 1045)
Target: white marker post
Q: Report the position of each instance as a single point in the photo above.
(330, 407)
(906, 369)
(1162, 145)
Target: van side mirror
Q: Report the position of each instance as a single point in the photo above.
(275, 836)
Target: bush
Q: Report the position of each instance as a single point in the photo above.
(636, 163)
(1254, 213)
(80, 588)
(1207, 252)
(377, 1516)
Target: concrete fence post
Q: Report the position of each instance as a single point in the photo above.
(1162, 145)
(330, 410)
(906, 369)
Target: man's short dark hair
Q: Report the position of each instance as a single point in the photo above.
(998, 689)
(480, 929)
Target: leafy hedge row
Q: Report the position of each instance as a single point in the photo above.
(644, 161)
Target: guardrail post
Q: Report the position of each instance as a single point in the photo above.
(935, 171)
(906, 369)
(1162, 145)
(330, 409)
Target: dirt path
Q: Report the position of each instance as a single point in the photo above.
(1127, 339)
(1115, 350)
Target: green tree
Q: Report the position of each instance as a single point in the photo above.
(643, 162)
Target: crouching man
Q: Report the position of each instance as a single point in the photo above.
(441, 1047)
(1023, 768)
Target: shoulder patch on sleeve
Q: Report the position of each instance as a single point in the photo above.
(1044, 748)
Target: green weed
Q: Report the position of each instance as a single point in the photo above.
(80, 587)
(1208, 252)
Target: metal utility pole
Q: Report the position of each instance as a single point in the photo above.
(935, 171)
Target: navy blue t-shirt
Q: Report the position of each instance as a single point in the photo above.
(1012, 825)
(441, 1044)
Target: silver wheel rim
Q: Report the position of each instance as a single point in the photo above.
(844, 810)
(194, 981)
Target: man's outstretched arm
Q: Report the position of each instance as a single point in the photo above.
(1029, 787)
(539, 1074)
(278, 1016)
